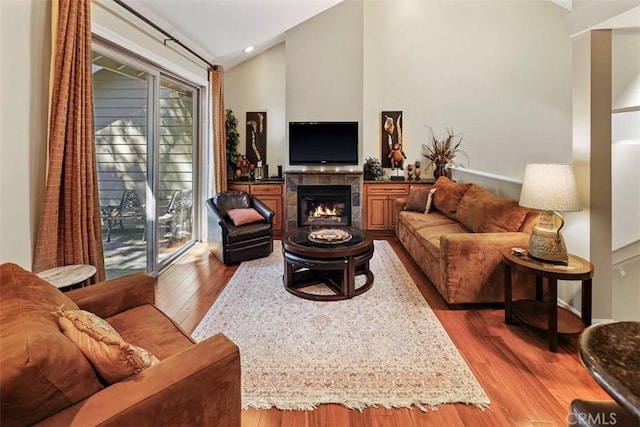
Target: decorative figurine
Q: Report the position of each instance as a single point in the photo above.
(397, 156)
(410, 171)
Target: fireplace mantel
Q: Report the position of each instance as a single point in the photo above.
(294, 178)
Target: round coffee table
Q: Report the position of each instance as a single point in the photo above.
(334, 264)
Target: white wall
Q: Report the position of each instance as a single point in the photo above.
(596, 160)
(259, 85)
(24, 84)
(577, 231)
(587, 14)
(626, 137)
(625, 174)
(116, 24)
(482, 67)
(324, 68)
(626, 68)
(490, 69)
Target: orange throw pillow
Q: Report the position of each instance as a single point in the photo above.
(112, 357)
(244, 216)
(449, 195)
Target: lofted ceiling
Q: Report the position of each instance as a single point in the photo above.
(220, 30)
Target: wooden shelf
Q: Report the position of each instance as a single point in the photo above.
(535, 313)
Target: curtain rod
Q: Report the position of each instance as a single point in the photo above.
(171, 38)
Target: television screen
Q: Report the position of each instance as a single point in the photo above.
(320, 143)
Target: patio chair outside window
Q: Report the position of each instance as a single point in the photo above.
(130, 208)
(175, 225)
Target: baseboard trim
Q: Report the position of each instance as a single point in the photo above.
(575, 311)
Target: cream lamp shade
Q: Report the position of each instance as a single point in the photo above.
(550, 188)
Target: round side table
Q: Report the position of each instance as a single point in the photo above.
(546, 315)
(68, 275)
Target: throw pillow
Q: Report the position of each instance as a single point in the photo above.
(244, 216)
(417, 200)
(430, 200)
(482, 212)
(448, 195)
(112, 357)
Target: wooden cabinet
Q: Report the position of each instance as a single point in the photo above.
(272, 195)
(378, 203)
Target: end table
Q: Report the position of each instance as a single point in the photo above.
(68, 275)
(546, 315)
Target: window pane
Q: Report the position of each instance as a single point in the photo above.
(121, 96)
(176, 141)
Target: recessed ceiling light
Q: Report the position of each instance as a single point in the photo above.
(248, 49)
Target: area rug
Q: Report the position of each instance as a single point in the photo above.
(384, 348)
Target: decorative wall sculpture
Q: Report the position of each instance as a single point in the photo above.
(257, 138)
(391, 134)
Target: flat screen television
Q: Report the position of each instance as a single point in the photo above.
(323, 143)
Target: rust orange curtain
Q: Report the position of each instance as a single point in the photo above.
(70, 227)
(216, 77)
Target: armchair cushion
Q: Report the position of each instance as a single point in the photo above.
(42, 371)
(113, 358)
(244, 216)
(232, 199)
(148, 327)
(248, 232)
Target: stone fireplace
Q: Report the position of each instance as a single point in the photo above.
(332, 186)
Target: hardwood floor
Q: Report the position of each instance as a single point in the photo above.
(527, 385)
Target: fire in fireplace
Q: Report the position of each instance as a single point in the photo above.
(324, 205)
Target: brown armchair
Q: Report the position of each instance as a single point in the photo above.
(46, 380)
(232, 244)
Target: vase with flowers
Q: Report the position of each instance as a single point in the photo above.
(441, 152)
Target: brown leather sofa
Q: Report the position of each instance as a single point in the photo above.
(232, 244)
(458, 243)
(45, 379)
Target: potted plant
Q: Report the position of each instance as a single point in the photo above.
(373, 169)
(441, 151)
(233, 138)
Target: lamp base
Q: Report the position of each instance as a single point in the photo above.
(548, 245)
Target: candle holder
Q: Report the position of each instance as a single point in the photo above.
(410, 172)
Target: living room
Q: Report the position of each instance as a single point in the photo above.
(518, 91)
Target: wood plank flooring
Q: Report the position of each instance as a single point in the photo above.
(527, 385)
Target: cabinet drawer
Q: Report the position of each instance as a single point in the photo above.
(239, 187)
(267, 189)
(388, 190)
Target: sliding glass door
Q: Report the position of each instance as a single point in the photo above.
(175, 167)
(145, 130)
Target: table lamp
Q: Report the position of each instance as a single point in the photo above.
(550, 188)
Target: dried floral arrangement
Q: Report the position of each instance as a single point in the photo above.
(442, 151)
